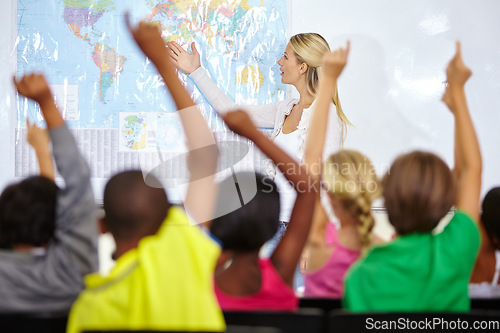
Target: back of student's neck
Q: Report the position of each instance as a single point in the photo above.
(27, 247)
(242, 277)
(245, 258)
(123, 247)
(348, 236)
(241, 263)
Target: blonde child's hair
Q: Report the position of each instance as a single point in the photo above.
(350, 178)
(309, 48)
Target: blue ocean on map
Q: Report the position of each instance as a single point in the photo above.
(86, 43)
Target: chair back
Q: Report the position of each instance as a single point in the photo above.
(325, 304)
(486, 304)
(37, 322)
(304, 320)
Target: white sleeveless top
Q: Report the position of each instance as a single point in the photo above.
(290, 144)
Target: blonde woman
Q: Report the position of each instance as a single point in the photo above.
(351, 183)
(300, 66)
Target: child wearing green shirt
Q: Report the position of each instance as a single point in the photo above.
(420, 270)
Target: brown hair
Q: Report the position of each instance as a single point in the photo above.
(419, 189)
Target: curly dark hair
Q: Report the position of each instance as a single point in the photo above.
(27, 212)
(248, 227)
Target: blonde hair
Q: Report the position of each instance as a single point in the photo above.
(350, 178)
(309, 48)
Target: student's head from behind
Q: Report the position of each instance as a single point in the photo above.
(249, 227)
(132, 208)
(419, 189)
(490, 215)
(27, 213)
(352, 185)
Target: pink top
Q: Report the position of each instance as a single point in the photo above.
(274, 294)
(328, 281)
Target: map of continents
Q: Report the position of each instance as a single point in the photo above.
(84, 43)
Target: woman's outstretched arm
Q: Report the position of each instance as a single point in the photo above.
(189, 63)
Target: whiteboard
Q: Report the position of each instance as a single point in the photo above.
(392, 86)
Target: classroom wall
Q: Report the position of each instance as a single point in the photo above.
(7, 97)
(392, 85)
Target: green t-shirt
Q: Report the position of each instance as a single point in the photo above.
(166, 283)
(416, 272)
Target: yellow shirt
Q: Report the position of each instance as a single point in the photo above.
(165, 283)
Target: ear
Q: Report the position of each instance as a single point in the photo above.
(496, 242)
(103, 229)
(303, 68)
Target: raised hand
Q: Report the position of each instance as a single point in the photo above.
(37, 137)
(334, 62)
(148, 38)
(240, 123)
(457, 74)
(35, 87)
(183, 60)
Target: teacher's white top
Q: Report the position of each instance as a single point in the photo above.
(289, 143)
(271, 116)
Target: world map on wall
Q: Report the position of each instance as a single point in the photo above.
(89, 58)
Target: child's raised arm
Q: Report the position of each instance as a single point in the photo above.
(74, 253)
(467, 152)
(333, 65)
(203, 153)
(35, 87)
(39, 139)
(286, 255)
